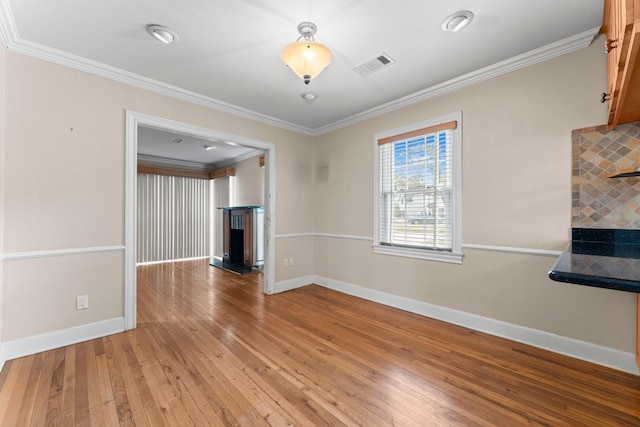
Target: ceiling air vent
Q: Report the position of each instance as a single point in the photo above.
(374, 64)
(176, 140)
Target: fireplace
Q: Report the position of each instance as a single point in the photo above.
(243, 229)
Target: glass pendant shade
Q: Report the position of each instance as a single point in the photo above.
(306, 58)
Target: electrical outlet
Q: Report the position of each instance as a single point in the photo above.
(291, 261)
(286, 262)
(82, 302)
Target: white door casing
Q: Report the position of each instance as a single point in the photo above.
(133, 121)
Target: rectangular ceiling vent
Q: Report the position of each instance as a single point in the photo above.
(176, 140)
(374, 65)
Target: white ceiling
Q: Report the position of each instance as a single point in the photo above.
(228, 53)
(157, 147)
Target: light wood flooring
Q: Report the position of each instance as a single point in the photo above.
(211, 349)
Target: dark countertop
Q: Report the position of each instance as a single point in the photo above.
(228, 208)
(604, 258)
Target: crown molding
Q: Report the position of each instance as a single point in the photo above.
(544, 53)
(8, 32)
(93, 67)
(147, 160)
(14, 43)
(231, 162)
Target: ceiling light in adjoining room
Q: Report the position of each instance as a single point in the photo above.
(306, 57)
(162, 34)
(457, 21)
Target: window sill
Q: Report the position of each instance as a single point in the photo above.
(419, 254)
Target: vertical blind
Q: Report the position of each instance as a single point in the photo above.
(172, 218)
(416, 183)
(222, 199)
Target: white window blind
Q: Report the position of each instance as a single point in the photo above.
(417, 200)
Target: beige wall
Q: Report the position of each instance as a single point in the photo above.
(64, 175)
(64, 188)
(2, 180)
(295, 196)
(516, 139)
(249, 183)
(40, 293)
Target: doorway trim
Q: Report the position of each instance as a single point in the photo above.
(133, 121)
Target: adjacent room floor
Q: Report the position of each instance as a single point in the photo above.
(211, 349)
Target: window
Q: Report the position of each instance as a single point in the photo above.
(418, 190)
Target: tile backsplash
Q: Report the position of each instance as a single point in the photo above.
(598, 201)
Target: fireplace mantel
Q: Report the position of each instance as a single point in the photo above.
(243, 235)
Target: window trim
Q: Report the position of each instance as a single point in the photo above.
(455, 255)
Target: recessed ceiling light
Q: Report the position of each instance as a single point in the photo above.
(309, 96)
(162, 34)
(208, 147)
(457, 21)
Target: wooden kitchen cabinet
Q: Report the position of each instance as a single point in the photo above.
(621, 25)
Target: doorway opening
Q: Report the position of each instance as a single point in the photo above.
(134, 121)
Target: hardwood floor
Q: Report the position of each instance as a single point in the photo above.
(211, 349)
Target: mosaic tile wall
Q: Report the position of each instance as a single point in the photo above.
(598, 201)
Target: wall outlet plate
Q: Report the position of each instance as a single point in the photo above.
(82, 302)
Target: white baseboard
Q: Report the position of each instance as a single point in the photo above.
(298, 282)
(3, 358)
(568, 346)
(167, 261)
(558, 344)
(27, 346)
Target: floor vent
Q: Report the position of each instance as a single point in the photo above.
(374, 64)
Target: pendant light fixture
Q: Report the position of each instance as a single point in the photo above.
(306, 57)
